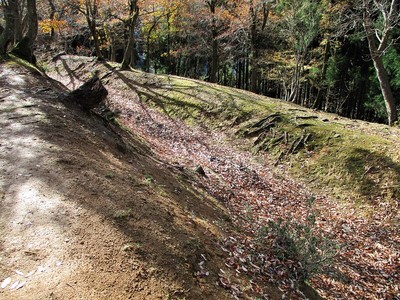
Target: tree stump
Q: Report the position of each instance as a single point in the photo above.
(90, 94)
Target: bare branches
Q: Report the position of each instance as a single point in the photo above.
(391, 19)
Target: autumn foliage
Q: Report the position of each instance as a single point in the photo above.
(47, 26)
(289, 49)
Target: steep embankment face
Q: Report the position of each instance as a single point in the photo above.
(351, 159)
(86, 211)
(247, 144)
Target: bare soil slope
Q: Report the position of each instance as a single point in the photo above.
(87, 212)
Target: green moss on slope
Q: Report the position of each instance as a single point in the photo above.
(349, 159)
(357, 160)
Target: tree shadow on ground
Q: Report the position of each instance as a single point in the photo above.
(169, 222)
(189, 99)
(367, 168)
(145, 92)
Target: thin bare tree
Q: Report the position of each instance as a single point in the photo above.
(379, 39)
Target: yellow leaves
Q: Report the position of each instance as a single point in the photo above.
(46, 26)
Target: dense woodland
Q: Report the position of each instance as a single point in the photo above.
(337, 56)
(136, 204)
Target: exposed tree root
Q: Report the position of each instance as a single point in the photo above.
(261, 126)
(270, 135)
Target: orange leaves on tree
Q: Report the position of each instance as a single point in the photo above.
(46, 26)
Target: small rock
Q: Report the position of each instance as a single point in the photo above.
(346, 228)
(20, 285)
(5, 282)
(14, 285)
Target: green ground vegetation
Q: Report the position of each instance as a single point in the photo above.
(345, 158)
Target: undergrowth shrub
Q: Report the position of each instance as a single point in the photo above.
(299, 242)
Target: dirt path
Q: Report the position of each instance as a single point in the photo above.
(34, 216)
(81, 216)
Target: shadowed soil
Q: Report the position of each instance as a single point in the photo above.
(87, 212)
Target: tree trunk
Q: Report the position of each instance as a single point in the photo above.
(253, 50)
(129, 57)
(294, 86)
(238, 74)
(254, 72)
(91, 14)
(247, 74)
(113, 53)
(32, 22)
(322, 90)
(214, 43)
(170, 67)
(52, 15)
(95, 36)
(148, 51)
(10, 12)
(147, 62)
(214, 58)
(254, 65)
(381, 72)
(17, 30)
(387, 93)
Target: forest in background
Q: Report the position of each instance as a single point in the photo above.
(337, 56)
(147, 180)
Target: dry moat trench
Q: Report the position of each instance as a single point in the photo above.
(252, 189)
(145, 226)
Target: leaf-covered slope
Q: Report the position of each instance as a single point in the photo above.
(350, 159)
(224, 124)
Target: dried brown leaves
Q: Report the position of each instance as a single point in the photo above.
(368, 265)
